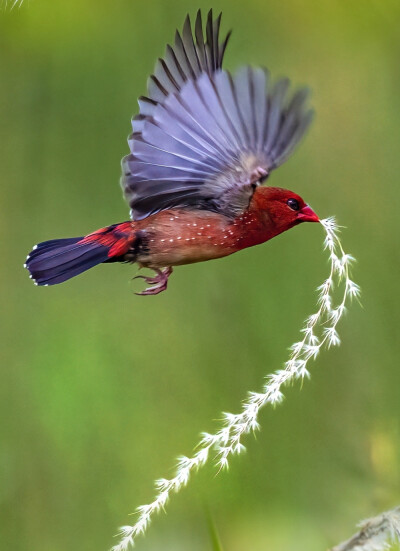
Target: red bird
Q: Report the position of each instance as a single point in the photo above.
(202, 144)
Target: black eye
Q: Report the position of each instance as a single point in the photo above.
(293, 204)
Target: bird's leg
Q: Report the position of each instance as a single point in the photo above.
(159, 282)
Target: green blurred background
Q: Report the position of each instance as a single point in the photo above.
(101, 390)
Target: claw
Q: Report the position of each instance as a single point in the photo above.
(149, 280)
(159, 282)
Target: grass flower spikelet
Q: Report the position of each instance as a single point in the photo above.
(11, 4)
(319, 331)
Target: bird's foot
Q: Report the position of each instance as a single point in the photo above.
(159, 282)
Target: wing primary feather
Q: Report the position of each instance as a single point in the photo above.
(274, 119)
(173, 125)
(290, 121)
(296, 137)
(235, 99)
(156, 88)
(224, 87)
(189, 46)
(201, 51)
(225, 115)
(141, 153)
(210, 108)
(223, 48)
(216, 27)
(146, 106)
(193, 127)
(169, 74)
(267, 107)
(197, 108)
(210, 42)
(259, 109)
(250, 72)
(181, 51)
(171, 57)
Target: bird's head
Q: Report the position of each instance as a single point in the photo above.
(284, 208)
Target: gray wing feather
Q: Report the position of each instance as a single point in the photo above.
(204, 138)
(189, 57)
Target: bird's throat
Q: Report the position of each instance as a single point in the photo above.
(253, 228)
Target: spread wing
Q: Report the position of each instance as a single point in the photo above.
(186, 60)
(207, 139)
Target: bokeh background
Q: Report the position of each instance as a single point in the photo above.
(100, 390)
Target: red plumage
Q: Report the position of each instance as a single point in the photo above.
(118, 239)
(202, 144)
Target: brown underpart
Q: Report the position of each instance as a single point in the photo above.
(184, 236)
(180, 236)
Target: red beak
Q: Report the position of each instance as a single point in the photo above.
(306, 214)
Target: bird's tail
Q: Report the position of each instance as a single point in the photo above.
(56, 261)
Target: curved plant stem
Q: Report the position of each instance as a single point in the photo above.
(319, 331)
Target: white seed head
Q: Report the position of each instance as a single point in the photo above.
(353, 289)
(319, 330)
(332, 336)
(162, 484)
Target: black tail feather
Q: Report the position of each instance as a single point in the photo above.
(55, 261)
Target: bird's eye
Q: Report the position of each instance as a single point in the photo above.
(293, 204)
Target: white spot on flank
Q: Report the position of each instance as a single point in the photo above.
(162, 240)
(194, 225)
(187, 239)
(208, 226)
(25, 265)
(179, 237)
(171, 240)
(35, 247)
